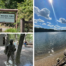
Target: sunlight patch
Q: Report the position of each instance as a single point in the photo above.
(10, 63)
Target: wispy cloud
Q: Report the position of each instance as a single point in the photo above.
(43, 12)
(62, 20)
(50, 25)
(63, 28)
(38, 20)
(37, 26)
(53, 26)
(56, 26)
(49, 22)
(60, 28)
(44, 24)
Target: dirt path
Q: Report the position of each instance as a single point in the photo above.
(50, 60)
(26, 58)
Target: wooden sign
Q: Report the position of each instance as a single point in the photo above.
(7, 18)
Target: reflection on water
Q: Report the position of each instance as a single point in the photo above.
(49, 42)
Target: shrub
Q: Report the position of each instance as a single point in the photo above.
(11, 30)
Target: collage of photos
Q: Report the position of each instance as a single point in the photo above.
(32, 33)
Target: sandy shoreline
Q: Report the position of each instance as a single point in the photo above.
(49, 60)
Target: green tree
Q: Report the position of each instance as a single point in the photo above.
(29, 37)
(19, 1)
(10, 4)
(2, 5)
(25, 10)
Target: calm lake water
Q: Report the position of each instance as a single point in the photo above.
(49, 42)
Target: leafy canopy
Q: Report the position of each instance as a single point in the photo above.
(25, 10)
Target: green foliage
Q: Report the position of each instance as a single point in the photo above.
(29, 37)
(2, 5)
(25, 7)
(19, 1)
(13, 36)
(11, 30)
(25, 10)
(11, 4)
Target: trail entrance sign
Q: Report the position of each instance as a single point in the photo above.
(7, 18)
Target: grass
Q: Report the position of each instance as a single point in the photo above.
(11, 30)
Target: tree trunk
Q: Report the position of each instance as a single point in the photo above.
(19, 48)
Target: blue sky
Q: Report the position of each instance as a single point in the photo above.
(46, 17)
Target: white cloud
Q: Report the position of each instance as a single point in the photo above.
(50, 25)
(37, 26)
(43, 12)
(62, 20)
(38, 20)
(63, 28)
(49, 22)
(35, 20)
(54, 26)
(57, 26)
(44, 24)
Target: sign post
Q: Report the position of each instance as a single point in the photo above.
(8, 18)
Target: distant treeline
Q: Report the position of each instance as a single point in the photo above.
(47, 30)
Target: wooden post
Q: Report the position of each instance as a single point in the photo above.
(11, 10)
(28, 27)
(22, 21)
(16, 19)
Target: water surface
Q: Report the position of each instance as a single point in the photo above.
(49, 42)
